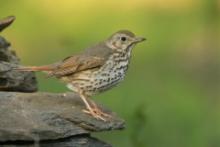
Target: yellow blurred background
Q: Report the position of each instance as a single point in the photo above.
(171, 95)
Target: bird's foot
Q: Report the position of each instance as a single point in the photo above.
(97, 113)
(93, 109)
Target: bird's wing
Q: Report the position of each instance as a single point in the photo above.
(73, 64)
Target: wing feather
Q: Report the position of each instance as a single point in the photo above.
(73, 64)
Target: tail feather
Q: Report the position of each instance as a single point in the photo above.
(33, 68)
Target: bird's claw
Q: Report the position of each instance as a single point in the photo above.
(95, 114)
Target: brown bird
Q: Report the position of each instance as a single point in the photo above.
(95, 70)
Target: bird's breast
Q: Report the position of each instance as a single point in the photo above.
(112, 72)
(105, 77)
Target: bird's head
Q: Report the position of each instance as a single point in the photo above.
(123, 40)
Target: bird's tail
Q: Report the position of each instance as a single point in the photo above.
(33, 68)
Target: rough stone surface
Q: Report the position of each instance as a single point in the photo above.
(6, 54)
(43, 116)
(11, 80)
(75, 141)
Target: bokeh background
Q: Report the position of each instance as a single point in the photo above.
(171, 95)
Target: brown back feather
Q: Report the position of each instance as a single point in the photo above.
(73, 64)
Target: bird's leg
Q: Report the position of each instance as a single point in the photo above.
(90, 110)
(98, 110)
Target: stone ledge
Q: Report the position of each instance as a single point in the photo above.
(27, 116)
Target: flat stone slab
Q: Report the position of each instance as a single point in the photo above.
(46, 116)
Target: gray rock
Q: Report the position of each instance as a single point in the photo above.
(74, 141)
(78, 141)
(43, 116)
(11, 80)
(6, 54)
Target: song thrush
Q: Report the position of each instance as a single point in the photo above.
(95, 70)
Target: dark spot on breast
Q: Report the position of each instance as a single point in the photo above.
(81, 84)
(104, 74)
(89, 86)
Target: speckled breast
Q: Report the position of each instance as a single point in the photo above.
(104, 78)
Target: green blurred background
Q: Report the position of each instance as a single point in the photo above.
(171, 95)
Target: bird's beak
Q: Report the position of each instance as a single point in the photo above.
(139, 39)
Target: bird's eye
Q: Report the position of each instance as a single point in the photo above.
(123, 38)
